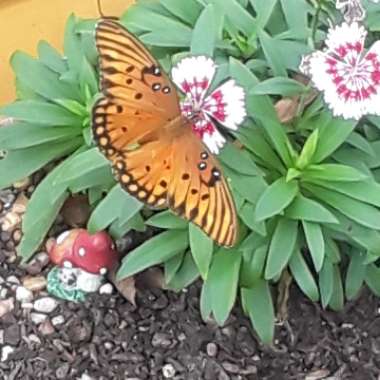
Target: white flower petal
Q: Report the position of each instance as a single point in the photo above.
(351, 86)
(193, 76)
(227, 105)
(214, 141)
(345, 34)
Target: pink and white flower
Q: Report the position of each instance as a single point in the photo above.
(347, 74)
(225, 105)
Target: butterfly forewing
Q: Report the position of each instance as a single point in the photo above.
(156, 157)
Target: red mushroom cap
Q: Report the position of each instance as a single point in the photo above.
(93, 253)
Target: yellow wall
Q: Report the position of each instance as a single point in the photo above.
(24, 22)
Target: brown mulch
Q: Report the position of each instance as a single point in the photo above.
(108, 338)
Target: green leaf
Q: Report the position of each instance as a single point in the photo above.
(43, 208)
(326, 283)
(259, 305)
(333, 173)
(308, 151)
(19, 164)
(333, 132)
(41, 113)
(337, 298)
(303, 208)
(281, 247)
(356, 274)
(253, 266)
(367, 238)
(230, 155)
(85, 162)
(223, 279)
(188, 11)
(276, 198)
(186, 274)
(168, 220)
(157, 29)
(156, 250)
(172, 265)
(303, 276)
(22, 135)
(247, 214)
(118, 203)
(360, 212)
(270, 48)
(206, 301)
(250, 188)
(201, 248)
(42, 80)
(72, 46)
(365, 191)
(205, 33)
(315, 242)
(51, 58)
(278, 86)
(237, 15)
(264, 9)
(373, 279)
(258, 145)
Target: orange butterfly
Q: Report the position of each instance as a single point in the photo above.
(154, 141)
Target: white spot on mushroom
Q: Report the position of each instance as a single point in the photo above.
(62, 237)
(82, 252)
(103, 271)
(67, 264)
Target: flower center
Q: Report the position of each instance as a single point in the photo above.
(355, 77)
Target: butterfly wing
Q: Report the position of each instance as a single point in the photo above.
(198, 190)
(138, 126)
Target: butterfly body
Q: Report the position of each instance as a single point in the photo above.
(152, 140)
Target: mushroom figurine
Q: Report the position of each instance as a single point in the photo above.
(82, 260)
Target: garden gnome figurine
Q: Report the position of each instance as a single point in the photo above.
(82, 260)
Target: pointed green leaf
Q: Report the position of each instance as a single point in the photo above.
(356, 274)
(315, 242)
(303, 276)
(156, 250)
(223, 279)
(205, 33)
(281, 247)
(259, 305)
(201, 248)
(303, 208)
(168, 220)
(276, 198)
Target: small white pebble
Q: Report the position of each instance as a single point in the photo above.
(33, 338)
(5, 352)
(38, 318)
(58, 320)
(6, 306)
(168, 371)
(45, 304)
(106, 289)
(27, 305)
(85, 377)
(1, 337)
(13, 280)
(23, 294)
(1, 280)
(3, 293)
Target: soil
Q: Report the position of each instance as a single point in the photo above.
(164, 337)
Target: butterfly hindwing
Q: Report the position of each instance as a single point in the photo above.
(156, 157)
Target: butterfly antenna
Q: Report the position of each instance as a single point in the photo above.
(101, 14)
